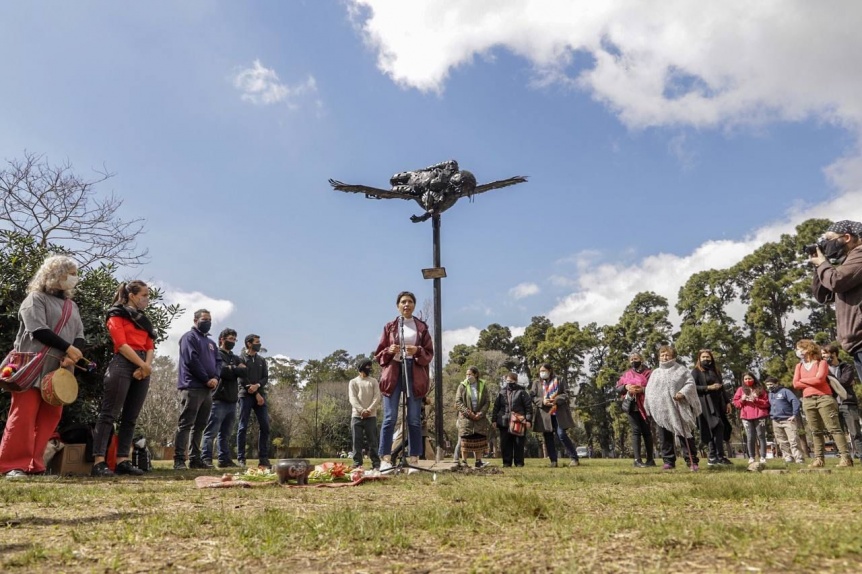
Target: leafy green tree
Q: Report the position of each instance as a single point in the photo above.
(460, 352)
(495, 337)
(20, 257)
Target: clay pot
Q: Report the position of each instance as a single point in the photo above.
(296, 469)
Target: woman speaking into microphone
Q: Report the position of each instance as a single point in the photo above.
(405, 349)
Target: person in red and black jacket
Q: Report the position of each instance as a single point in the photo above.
(418, 352)
(127, 379)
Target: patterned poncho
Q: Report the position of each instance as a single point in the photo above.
(677, 416)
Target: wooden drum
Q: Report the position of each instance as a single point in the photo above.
(59, 388)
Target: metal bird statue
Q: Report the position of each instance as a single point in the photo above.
(435, 188)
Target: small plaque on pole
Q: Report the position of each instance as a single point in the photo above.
(434, 273)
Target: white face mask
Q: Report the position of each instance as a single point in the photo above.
(471, 378)
(799, 354)
(545, 375)
(69, 282)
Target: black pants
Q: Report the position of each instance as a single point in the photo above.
(668, 452)
(713, 437)
(195, 405)
(640, 429)
(123, 393)
(511, 447)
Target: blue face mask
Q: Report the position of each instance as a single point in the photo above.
(204, 326)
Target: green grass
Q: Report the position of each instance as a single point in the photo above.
(604, 516)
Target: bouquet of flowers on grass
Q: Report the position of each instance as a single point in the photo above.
(334, 472)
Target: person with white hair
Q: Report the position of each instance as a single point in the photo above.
(50, 322)
(671, 400)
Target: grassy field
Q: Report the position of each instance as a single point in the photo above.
(604, 516)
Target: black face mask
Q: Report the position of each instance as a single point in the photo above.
(636, 365)
(833, 248)
(228, 345)
(256, 347)
(706, 364)
(204, 326)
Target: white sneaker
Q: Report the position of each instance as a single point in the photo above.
(412, 471)
(751, 460)
(762, 460)
(384, 466)
(788, 460)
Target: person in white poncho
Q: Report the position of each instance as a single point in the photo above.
(671, 400)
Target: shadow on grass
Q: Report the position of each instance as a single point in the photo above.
(45, 521)
(6, 548)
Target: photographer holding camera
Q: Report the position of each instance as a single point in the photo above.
(841, 282)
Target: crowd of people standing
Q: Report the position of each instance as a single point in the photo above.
(217, 386)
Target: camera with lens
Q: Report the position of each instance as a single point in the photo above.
(809, 250)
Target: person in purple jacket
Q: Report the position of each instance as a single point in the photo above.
(198, 374)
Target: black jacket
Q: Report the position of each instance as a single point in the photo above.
(227, 388)
(847, 376)
(521, 404)
(257, 372)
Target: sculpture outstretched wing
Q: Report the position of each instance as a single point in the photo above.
(374, 192)
(495, 185)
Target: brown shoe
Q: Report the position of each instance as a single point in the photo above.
(845, 462)
(816, 463)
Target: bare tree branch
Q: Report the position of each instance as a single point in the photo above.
(52, 204)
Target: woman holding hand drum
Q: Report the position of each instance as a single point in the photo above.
(50, 323)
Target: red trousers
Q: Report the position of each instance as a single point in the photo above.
(29, 427)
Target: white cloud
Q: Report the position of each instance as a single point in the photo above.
(653, 63)
(220, 309)
(604, 290)
(261, 86)
(671, 64)
(524, 290)
(465, 336)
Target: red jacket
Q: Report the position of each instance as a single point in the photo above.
(392, 368)
(751, 410)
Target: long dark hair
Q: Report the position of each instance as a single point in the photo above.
(699, 367)
(122, 295)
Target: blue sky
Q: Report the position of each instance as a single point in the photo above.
(660, 139)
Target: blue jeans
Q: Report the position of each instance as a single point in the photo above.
(391, 404)
(246, 405)
(220, 424)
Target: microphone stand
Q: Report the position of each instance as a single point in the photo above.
(403, 461)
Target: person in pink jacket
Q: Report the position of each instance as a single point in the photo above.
(631, 388)
(753, 402)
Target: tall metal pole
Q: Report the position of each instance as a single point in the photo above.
(438, 342)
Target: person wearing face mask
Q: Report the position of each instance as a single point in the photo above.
(631, 387)
(127, 379)
(252, 397)
(472, 402)
(223, 412)
(842, 283)
(753, 403)
(821, 410)
(364, 395)
(49, 320)
(714, 406)
(512, 399)
(848, 407)
(552, 413)
(198, 371)
(783, 409)
(671, 400)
